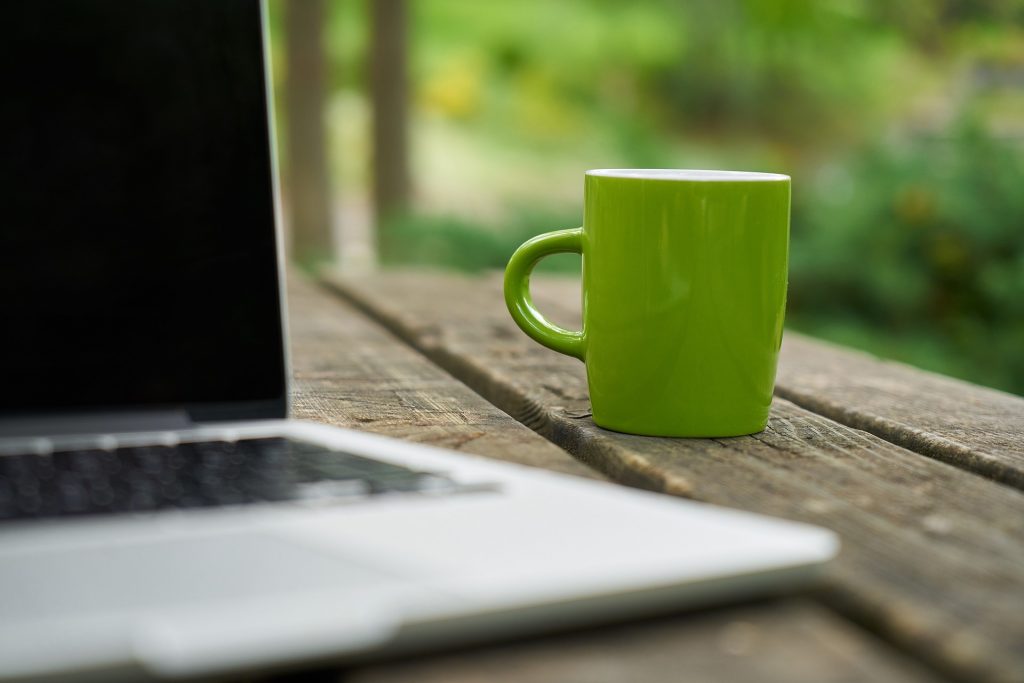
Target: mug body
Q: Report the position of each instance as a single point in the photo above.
(684, 294)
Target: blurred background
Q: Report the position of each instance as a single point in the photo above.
(443, 133)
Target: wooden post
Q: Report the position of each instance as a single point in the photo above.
(389, 91)
(307, 178)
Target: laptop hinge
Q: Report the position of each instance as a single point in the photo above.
(95, 423)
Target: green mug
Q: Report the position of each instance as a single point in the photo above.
(684, 295)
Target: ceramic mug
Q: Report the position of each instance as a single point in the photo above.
(684, 294)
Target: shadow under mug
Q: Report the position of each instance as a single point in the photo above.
(684, 295)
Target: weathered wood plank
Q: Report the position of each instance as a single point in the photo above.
(351, 372)
(933, 556)
(971, 427)
(771, 643)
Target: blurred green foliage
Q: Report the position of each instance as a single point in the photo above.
(452, 242)
(902, 124)
(919, 241)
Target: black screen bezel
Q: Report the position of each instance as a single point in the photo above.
(215, 411)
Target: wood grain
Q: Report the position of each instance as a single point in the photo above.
(972, 427)
(933, 556)
(351, 372)
(790, 642)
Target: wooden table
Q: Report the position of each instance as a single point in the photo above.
(921, 476)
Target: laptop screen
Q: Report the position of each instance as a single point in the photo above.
(138, 263)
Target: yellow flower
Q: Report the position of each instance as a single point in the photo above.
(456, 90)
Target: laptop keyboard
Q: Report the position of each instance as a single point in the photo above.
(195, 475)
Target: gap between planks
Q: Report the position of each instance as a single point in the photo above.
(769, 642)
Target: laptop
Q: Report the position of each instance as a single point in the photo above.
(160, 517)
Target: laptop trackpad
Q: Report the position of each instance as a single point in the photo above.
(182, 604)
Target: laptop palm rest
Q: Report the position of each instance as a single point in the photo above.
(238, 596)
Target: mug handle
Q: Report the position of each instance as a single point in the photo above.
(517, 290)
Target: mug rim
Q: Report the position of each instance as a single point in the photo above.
(686, 175)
